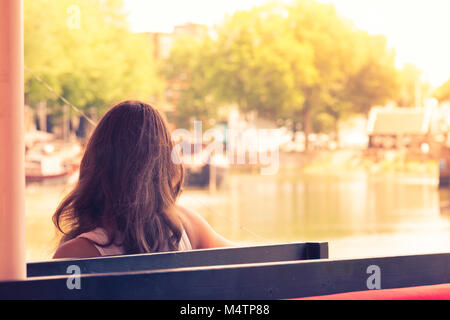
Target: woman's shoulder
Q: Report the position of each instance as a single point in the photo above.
(188, 219)
(76, 248)
(200, 233)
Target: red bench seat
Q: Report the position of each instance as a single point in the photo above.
(432, 292)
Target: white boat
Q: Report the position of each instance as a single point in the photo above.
(51, 161)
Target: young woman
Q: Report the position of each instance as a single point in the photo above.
(125, 199)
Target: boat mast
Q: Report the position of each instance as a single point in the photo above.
(12, 147)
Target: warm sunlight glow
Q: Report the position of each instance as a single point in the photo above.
(417, 29)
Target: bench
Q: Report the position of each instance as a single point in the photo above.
(182, 259)
(269, 280)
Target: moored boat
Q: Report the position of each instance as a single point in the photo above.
(204, 174)
(204, 169)
(51, 161)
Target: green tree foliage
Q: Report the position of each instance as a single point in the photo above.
(190, 74)
(412, 90)
(443, 92)
(261, 64)
(301, 62)
(251, 62)
(85, 51)
(355, 70)
(330, 37)
(375, 78)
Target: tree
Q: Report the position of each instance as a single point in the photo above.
(412, 90)
(375, 81)
(252, 63)
(328, 34)
(261, 63)
(443, 92)
(85, 52)
(355, 70)
(190, 74)
(296, 62)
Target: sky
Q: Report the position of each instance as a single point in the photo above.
(419, 30)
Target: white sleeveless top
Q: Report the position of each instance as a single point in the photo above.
(100, 236)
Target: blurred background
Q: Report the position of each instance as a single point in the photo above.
(355, 92)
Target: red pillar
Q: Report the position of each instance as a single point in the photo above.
(12, 148)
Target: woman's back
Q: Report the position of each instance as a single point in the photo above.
(99, 238)
(129, 183)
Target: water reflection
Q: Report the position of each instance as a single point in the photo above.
(372, 216)
(358, 216)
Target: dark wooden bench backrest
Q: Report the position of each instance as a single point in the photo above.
(280, 280)
(181, 259)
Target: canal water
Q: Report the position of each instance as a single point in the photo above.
(358, 215)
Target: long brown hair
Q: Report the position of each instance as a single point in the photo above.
(128, 183)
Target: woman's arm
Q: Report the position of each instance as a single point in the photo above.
(76, 248)
(200, 233)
